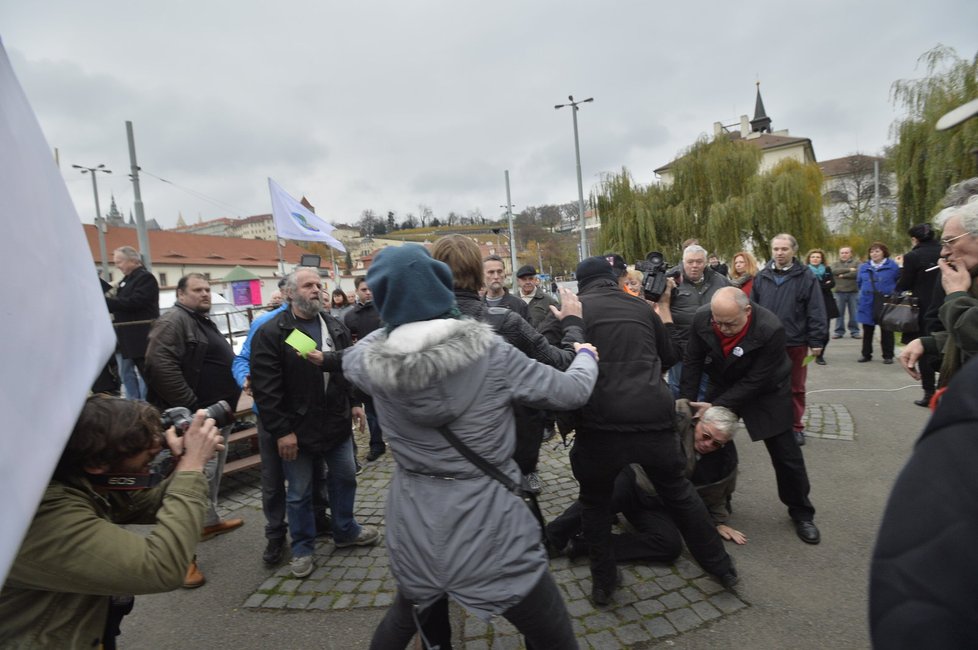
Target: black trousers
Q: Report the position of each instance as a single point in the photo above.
(886, 342)
(541, 617)
(530, 423)
(657, 538)
(596, 459)
(791, 475)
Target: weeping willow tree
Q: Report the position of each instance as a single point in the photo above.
(928, 161)
(718, 196)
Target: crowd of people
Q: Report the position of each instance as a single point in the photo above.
(461, 380)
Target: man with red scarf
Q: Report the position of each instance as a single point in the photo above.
(740, 347)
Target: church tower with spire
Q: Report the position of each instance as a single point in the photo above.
(761, 122)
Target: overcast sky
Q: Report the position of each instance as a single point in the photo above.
(387, 105)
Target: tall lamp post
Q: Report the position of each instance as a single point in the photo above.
(98, 217)
(577, 152)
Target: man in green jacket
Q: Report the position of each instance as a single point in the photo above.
(76, 559)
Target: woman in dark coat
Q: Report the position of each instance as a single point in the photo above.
(914, 278)
(876, 275)
(816, 262)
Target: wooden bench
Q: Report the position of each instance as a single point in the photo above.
(247, 436)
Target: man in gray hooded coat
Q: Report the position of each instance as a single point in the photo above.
(451, 529)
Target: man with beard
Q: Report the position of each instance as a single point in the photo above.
(497, 295)
(137, 298)
(305, 407)
(188, 363)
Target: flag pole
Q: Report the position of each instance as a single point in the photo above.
(281, 260)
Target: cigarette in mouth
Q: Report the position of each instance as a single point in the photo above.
(933, 268)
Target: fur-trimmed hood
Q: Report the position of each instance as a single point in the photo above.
(411, 363)
(416, 355)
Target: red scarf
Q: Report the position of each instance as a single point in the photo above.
(728, 343)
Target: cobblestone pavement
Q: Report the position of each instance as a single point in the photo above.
(655, 601)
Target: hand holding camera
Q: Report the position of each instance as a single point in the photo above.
(197, 444)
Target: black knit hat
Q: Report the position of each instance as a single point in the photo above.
(408, 285)
(594, 268)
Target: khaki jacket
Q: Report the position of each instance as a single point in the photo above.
(75, 556)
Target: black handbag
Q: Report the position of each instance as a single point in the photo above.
(900, 313)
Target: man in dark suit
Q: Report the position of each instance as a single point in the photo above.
(739, 345)
(137, 298)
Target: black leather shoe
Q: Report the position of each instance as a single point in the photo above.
(925, 402)
(375, 454)
(273, 550)
(865, 359)
(820, 361)
(888, 362)
(729, 579)
(601, 596)
(808, 532)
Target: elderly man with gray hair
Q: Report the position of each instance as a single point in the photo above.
(740, 346)
(695, 286)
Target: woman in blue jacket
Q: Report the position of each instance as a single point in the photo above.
(878, 274)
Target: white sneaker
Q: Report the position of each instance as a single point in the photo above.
(369, 536)
(301, 566)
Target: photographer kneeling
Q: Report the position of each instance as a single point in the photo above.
(75, 559)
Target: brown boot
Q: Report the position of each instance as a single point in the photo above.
(194, 577)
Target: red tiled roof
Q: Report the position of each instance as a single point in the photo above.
(168, 247)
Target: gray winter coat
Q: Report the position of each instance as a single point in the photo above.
(452, 530)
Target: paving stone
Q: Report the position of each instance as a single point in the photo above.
(322, 602)
(600, 621)
(659, 627)
(343, 602)
(705, 610)
(688, 570)
(346, 586)
(477, 644)
(255, 600)
(628, 613)
(299, 602)
(383, 599)
(691, 594)
(290, 586)
(601, 640)
(648, 589)
(579, 607)
(356, 573)
(673, 600)
(632, 634)
(369, 585)
(649, 607)
(270, 585)
(726, 602)
(671, 581)
(474, 627)
(683, 619)
(277, 600)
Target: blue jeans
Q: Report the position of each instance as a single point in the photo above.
(847, 300)
(674, 380)
(341, 484)
(131, 380)
(373, 423)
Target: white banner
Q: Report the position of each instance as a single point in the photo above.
(295, 221)
(56, 334)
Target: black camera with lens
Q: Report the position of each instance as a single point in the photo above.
(180, 417)
(655, 275)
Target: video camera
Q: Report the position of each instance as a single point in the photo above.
(655, 274)
(180, 417)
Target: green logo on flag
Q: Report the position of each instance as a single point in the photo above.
(301, 220)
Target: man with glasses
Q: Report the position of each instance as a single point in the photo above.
(958, 314)
(740, 347)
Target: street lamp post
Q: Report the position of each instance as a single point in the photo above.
(580, 183)
(106, 274)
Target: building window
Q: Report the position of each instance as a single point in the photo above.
(163, 280)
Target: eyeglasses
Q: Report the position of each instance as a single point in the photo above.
(948, 242)
(711, 438)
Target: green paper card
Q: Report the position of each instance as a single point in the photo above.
(302, 343)
(807, 360)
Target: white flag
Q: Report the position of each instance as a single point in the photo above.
(295, 221)
(49, 362)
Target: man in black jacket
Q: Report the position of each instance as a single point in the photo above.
(739, 345)
(915, 279)
(137, 298)
(631, 418)
(362, 320)
(304, 404)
